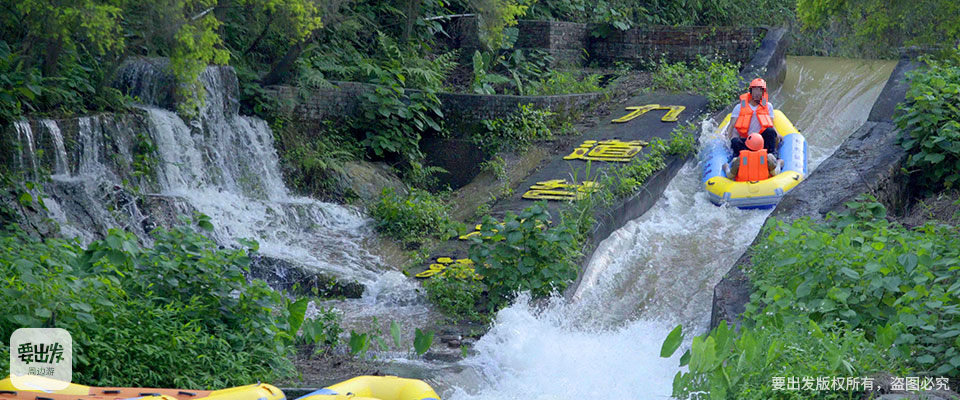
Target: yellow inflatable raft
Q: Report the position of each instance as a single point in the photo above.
(260, 391)
(375, 388)
(758, 194)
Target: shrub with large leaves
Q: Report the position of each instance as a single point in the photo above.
(178, 314)
(930, 123)
(524, 253)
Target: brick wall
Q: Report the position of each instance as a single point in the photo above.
(650, 43)
(572, 43)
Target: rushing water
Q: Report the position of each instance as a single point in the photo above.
(221, 164)
(655, 272)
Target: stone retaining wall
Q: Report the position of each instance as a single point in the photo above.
(579, 43)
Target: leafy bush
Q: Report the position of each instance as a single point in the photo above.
(519, 254)
(871, 274)
(322, 333)
(393, 121)
(414, 217)
(725, 364)
(515, 132)
(716, 79)
(564, 82)
(456, 292)
(929, 120)
(625, 180)
(174, 315)
(853, 296)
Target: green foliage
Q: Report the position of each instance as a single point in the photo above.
(456, 292)
(388, 61)
(197, 44)
(870, 274)
(880, 27)
(393, 121)
(612, 16)
(322, 333)
(929, 121)
(529, 75)
(725, 364)
(483, 79)
(851, 296)
(144, 157)
(718, 80)
(520, 254)
(516, 132)
(494, 17)
(564, 82)
(413, 218)
(145, 316)
(627, 179)
(309, 158)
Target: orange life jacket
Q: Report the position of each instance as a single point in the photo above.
(746, 114)
(753, 166)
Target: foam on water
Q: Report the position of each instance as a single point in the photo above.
(656, 271)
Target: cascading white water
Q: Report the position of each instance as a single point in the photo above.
(60, 162)
(221, 164)
(25, 136)
(655, 272)
(228, 170)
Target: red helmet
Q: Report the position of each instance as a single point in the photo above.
(760, 83)
(755, 142)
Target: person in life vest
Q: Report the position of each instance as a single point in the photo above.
(754, 113)
(753, 163)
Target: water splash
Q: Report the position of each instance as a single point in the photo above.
(655, 272)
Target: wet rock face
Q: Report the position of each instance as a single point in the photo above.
(150, 81)
(368, 179)
(284, 275)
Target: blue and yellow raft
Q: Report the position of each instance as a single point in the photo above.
(758, 194)
(72, 391)
(375, 388)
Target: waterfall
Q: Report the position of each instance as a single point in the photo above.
(25, 136)
(221, 164)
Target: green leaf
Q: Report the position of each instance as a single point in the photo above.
(42, 312)
(672, 342)
(395, 333)
(908, 261)
(926, 359)
(850, 273)
(422, 341)
(297, 312)
(205, 225)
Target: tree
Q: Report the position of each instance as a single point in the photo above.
(52, 27)
(890, 23)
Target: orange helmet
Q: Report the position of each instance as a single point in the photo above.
(755, 142)
(760, 83)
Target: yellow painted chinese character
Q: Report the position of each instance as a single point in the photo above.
(559, 189)
(462, 268)
(635, 112)
(476, 231)
(607, 150)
